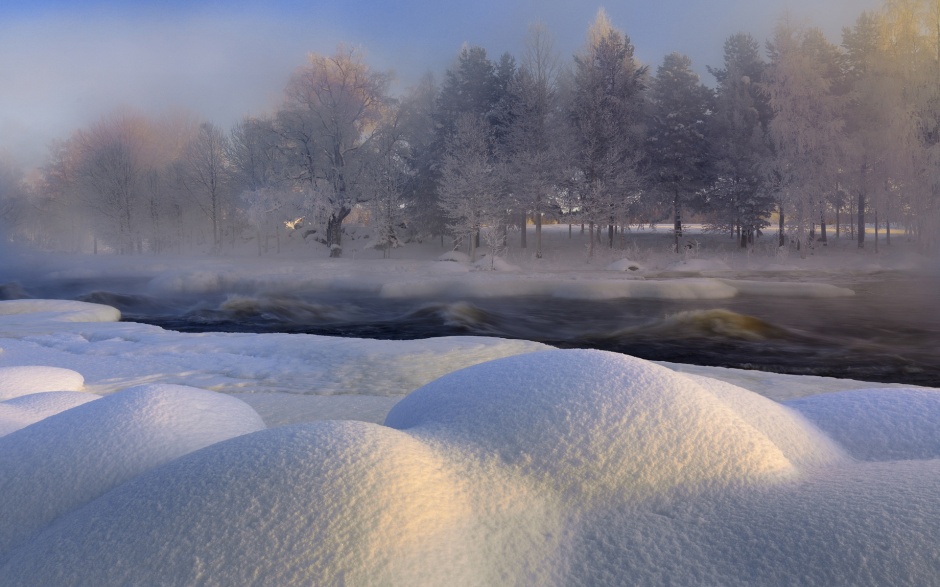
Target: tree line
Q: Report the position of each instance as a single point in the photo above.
(806, 134)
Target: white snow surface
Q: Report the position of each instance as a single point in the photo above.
(60, 310)
(22, 380)
(24, 410)
(553, 467)
(879, 424)
(61, 462)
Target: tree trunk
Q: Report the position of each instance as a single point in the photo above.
(677, 227)
(522, 231)
(781, 237)
(823, 238)
(538, 234)
(591, 249)
(334, 234)
(861, 219)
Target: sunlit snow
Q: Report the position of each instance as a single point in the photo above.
(499, 462)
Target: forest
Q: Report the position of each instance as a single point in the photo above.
(797, 139)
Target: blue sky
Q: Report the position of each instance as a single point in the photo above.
(65, 63)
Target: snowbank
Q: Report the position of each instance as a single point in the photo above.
(24, 410)
(59, 310)
(594, 424)
(879, 424)
(68, 459)
(17, 381)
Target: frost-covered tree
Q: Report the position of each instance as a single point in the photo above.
(739, 197)
(387, 175)
(208, 177)
(605, 111)
(534, 157)
(110, 174)
(13, 205)
(808, 100)
(333, 105)
(469, 184)
(677, 143)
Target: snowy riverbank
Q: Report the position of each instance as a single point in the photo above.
(544, 466)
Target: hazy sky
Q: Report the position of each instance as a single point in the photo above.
(65, 63)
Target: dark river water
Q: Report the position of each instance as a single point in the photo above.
(889, 331)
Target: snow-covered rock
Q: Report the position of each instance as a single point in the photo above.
(59, 310)
(66, 460)
(317, 504)
(24, 410)
(593, 423)
(29, 379)
(624, 265)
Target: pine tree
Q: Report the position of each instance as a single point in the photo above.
(677, 144)
(605, 112)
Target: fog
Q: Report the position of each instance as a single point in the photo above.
(65, 66)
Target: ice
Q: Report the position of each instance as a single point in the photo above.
(65, 460)
(24, 380)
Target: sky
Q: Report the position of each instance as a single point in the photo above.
(66, 63)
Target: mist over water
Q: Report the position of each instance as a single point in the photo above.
(889, 331)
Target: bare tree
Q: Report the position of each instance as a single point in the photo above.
(208, 176)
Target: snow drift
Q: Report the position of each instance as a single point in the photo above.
(65, 460)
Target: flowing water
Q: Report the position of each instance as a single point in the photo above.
(889, 331)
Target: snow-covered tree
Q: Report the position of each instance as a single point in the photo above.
(333, 105)
(533, 139)
(677, 143)
(208, 177)
(605, 110)
(739, 198)
(808, 100)
(469, 184)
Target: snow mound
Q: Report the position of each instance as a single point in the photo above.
(486, 263)
(801, 443)
(17, 381)
(699, 265)
(624, 265)
(68, 459)
(329, 503)
(455, 257)
(24, 410)
(59, 311)
(878, 424)
(593, 423)
(789, 289)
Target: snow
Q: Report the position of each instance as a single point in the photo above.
(552, 467)
(24, 410)
(60, 310)
(61, 462)
(17, 381)
(878, 424)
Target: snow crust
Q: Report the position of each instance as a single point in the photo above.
(23, 380)
(65, 460)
